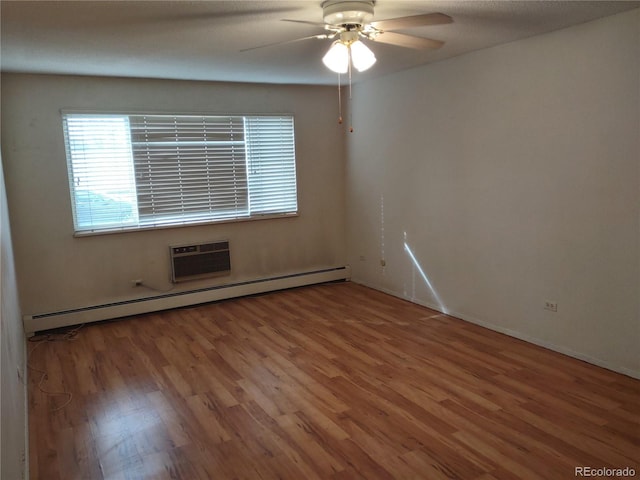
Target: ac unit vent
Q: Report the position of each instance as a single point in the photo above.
(193, 262)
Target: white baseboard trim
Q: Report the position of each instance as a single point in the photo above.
(515, 334)
(47, 321)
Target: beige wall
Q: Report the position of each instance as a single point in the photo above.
(512, 176)
(57, 271)
(13, 394)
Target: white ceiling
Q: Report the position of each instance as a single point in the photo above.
(202, 40)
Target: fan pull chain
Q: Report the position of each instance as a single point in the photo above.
(339, 102)
(350, 103)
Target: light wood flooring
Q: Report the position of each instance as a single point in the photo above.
(333, 381)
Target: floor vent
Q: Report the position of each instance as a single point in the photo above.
(192, 262)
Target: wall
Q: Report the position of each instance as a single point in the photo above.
(498, 180)
(13, 393)
(57, 271)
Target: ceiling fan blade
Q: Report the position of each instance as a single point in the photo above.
(413, 21)
(315, 24)
(321, 37)
(408, 41)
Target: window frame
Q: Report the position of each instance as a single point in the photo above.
(186, 223)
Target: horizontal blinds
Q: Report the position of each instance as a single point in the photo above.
(271, 165)
(189, 168)
(137, 171)
(100, 171)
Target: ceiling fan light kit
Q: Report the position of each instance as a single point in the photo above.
(348, 48)
(362, 56)
(347, 19)
(337, 57)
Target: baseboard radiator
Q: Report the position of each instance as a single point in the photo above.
(95, 313)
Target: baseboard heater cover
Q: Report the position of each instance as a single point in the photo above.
(47, 321)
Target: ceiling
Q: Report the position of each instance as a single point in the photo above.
(202, 40)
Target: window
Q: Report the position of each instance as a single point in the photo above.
(143, 171)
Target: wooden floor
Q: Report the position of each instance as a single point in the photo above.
(333, 381)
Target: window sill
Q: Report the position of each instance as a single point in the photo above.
(111, 231)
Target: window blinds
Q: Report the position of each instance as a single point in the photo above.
(100, 171)
(142, 171)
(272, 165)
(189, 168)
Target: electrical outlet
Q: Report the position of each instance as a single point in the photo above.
(362, 258)
(551, 306)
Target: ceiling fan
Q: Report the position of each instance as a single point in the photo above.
(347, 22)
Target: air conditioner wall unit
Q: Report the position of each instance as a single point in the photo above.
(196, 261)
